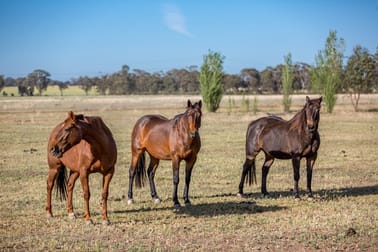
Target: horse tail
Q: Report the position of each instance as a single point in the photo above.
(251, 173)
(61, 182)
(140, 176)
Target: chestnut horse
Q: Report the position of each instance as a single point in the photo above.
(294, 139)
(176, 139)
(85, 145)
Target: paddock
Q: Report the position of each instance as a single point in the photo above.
(342, 216)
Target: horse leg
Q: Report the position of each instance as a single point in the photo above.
(176, 180)
(154, 162)
(53, 172)
(132, 171)
(296, 165)
(87, 195)
(188, 175)
(310, 161)
(70, 186)
(105, 193)
(265, 170)
(249, 166)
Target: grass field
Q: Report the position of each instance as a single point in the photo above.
(343, 215)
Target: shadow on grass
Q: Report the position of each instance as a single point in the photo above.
(324, 193)
(348, 192)
(227, 208)
(212, 209)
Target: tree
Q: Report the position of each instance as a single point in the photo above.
(40, 79)
(326, 75)
(287, 82)
(301, 78)
(233, 83)
(85, 83)
(23, 87)
(62, 85)
(2, 82)
(252, 78)
(210, 78)
(359, 74)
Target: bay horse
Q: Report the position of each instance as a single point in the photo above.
(294, 139)
(173, 139)
(85, 145)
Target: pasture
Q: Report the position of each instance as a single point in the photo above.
(343, 215)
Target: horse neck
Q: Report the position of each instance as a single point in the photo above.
(298, 122)
(94, 132)
(182, 125)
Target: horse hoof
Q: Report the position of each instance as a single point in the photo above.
(187, 204)
(106, 222)
(49, 217)
(130, 201)
(157, 200)
(71, 216)
(89, 222)
(177, 206)
(240, 195)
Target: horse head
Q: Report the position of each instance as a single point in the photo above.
(312, 111)
(68, 135)
(194, 113)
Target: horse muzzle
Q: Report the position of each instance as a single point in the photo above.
(56, 152)
(311, 128)
(193, 133)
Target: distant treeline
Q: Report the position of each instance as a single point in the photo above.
(182, 81)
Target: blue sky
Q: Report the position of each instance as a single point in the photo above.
(76, 38)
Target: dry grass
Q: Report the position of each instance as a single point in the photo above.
(344, 183)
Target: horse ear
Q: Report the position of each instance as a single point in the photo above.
(189, 104)
(200, 103)
(71, 116)
(307, 99)
(320, 99)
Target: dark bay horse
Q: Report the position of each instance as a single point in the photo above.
(294, 139)
(85, 145)
(173, 139)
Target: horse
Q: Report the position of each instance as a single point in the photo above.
(85, 145)
(173, 139)
(294, 139)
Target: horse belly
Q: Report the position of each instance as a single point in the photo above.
(280, 154)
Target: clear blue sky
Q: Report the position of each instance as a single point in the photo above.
(72, 38)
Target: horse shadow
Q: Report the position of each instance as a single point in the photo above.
(211, 209)
(226, 208)
(323, 194)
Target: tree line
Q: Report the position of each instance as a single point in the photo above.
(360, 67)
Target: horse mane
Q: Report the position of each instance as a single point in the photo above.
(298, 120)
(177, 122)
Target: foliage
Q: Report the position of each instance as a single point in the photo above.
(327, 74)
(210, 78)
(359, 74)
(255, 105)
(40, 79)
(287, 82)
(2, 82)
(245, 103)
(252, 78)
(325, 78)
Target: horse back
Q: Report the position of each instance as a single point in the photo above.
(254, 130)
